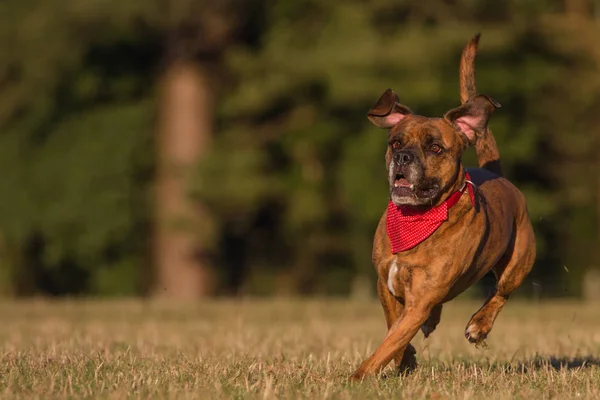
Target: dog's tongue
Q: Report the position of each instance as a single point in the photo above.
(402, 182)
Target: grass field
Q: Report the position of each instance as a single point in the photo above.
(287, 349)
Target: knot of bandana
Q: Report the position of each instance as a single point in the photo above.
(407, 227)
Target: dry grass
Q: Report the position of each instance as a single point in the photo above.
(287, 349)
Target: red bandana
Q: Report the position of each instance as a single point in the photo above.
(407, 227)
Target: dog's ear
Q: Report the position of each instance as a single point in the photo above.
(471, 119)
(387, 112)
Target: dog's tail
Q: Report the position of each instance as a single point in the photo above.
(468, 87)
(486, 149)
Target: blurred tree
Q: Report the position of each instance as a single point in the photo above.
(197, 35)
(77, 120)
(312, 167)
(75, 115)
(575, 138)
(106, 105)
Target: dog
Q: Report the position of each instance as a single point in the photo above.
(446, 226)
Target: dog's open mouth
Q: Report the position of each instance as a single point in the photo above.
(402, 188)
(401, 182)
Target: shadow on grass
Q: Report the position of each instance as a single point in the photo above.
(542, 363)
(556, 363)
(523, 367)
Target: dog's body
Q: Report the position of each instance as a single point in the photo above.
(493, 232)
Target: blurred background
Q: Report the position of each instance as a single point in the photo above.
(193, 148)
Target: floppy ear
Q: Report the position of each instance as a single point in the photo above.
(387, 112)
(471, 119)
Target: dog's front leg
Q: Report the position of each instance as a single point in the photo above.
(393, 309)
(422, 292)
(396, 340)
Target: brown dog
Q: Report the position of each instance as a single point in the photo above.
(465, 235)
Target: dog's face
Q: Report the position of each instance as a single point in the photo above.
(424, 154)
(423, 159)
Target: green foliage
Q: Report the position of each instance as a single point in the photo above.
(295, 178)
(79, 188)
(301, 101)
(77, 140)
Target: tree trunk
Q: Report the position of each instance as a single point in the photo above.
(185, 128)
(578, 8)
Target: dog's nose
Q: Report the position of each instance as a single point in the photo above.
(404, 157)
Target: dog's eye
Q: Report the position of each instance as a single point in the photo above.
(396, 145)
(437, 149)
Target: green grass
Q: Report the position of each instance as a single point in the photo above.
(287, 349)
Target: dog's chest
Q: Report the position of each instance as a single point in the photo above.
(393, 277)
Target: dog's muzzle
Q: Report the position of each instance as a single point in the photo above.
(407, 184)
(404, 172)
(403, 158)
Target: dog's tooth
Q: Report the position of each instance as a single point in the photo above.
(412, 186)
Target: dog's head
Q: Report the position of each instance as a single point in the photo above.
(423, 157)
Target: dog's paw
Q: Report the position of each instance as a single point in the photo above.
(408, 363)
(427, 329)
(356, 377)
(360, 376)
(476, 334)
(432, 321)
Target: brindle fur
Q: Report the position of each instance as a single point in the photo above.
(495, 234)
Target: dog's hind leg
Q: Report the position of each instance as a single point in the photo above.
(510, 273)
(392, 309)
(434, 319)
